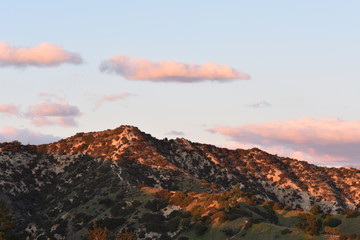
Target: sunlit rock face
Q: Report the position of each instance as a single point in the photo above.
(59, 188)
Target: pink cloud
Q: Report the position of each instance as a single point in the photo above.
(25, 136)
(112, 98)
(50, 113)
(326, 141)
(61, 121)
(9, 109)
(54, 109)
(169, 71)
(43, 55)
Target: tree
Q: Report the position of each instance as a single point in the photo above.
(315, 209)
(333, 222)
(98, 233)
(6, 223)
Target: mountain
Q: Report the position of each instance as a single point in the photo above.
(124, 177)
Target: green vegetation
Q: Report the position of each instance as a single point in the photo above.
(6, 223)
(224, 215)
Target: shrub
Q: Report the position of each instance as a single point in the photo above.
(186, 223)
(156, 204)
(311, 225)
(271, 215)
(229, 231)
(149, 217)
(286, 231)
(200, 229)
(331, 230)
(350, 213)
(183, 238)
(97, 233)
(333, 222)
(173, 224)
(119, 210)
(125, 236)
(277, 206)
(315, 209)
(111, 223)
(237, 213)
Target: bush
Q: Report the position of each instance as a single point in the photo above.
(311, 225)
(277, 206)
(97, 233)
(333, 222)
(186, 223)
(286, 231)
(119, 210)
(315, 209)
(125, 235)
(271, 215)
(351, 213)
(173, 224)
(150, 218)
(111, 223)
(331, 230)
(229, 231)
(238, 213)
(156, 204)
(200, 229)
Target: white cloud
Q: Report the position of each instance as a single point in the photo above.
(112, 98)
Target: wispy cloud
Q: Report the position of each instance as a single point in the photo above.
(54, 109)
(175, 133)
(50, 96)
(25, 136)
(112, 98)
(9, 109)
(50, 113)
(326, 141)
(47, 113)
(262, 104)
(169, 71)
(43, 55)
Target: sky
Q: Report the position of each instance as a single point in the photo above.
(279, 75)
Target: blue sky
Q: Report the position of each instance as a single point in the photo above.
(302, 57)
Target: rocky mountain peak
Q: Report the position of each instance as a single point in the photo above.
(64, 178)
(107, 144)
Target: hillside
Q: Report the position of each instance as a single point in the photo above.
(167, 189)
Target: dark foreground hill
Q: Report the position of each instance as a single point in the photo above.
(170, 189)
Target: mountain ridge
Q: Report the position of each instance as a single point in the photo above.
(285, 172)
(66, 176)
